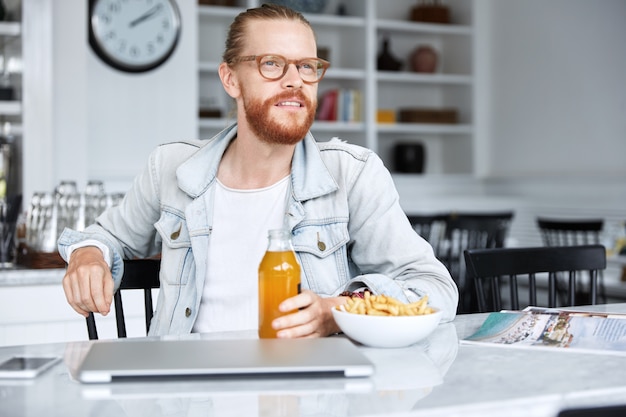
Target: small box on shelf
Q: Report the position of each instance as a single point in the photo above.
(385, 116)
(427, 115)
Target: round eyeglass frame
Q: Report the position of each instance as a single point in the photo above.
(258, 58)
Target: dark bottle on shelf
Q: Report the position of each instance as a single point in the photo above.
(386, 60)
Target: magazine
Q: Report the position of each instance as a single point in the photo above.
(535, 327)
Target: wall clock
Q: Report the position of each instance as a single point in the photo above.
(134, 35)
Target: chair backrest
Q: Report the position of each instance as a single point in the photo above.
(572, 232)
(139, 274)
(470, 231)
(489, 268)
(429, 226)
(569, 232)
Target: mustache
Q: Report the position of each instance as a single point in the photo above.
(298, 94)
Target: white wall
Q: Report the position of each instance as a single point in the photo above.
(87, 120)
(558, 88)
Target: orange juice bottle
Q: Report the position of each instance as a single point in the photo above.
(279, 279)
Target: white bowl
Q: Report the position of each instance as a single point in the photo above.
(386, 331)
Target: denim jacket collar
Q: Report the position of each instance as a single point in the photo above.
(310, 177)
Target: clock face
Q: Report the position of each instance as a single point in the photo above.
(134, 35)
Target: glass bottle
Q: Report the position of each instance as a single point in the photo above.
(95, 201)
(386, 61)
(279, 279)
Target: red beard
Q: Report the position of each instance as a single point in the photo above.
(287, 131)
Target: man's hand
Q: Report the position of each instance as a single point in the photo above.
(313, 318)
(87, 283)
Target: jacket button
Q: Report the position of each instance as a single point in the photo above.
(176, 234)
(187, 312)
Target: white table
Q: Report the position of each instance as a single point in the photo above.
(438, 377)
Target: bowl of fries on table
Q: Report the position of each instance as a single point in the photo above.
(383, 321)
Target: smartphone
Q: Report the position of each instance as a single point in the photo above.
(26, 366)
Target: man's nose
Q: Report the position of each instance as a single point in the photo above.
(292, 77)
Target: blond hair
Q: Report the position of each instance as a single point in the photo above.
(268, 11)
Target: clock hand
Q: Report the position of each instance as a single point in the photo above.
(147, 15)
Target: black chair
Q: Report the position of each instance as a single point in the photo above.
(139, 274)
(470, 231)
(569, 232)
(572, 232)
(429, 226)
(618, 410)
(494, 269)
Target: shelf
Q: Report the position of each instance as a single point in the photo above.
(10, 108)
(412, 77)
(338, 126)
(344, 74)
(399, 26)
(10, 29)
(335, 21)
(412, 128)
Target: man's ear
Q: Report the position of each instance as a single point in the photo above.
(229, 80)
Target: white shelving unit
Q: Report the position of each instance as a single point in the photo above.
(11, 109)
(10, 40)
(354, 42)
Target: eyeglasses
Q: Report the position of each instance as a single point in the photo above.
(274, 67)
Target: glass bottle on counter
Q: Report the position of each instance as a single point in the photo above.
(279, 279)
(95, 201)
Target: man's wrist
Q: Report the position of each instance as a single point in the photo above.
(90, 243)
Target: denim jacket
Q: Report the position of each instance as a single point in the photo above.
(341, 196)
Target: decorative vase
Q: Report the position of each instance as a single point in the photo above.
(424, 59)
(386, 60)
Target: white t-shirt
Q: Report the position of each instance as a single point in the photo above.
(241, 221)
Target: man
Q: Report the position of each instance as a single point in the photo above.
(206, 206)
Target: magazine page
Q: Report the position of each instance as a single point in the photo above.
(570, 330)
(547, 310)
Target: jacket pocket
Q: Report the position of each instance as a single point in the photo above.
(176, 250)
(323, 254)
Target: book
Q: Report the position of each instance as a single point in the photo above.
(327, 108)
(341, 105)
(544, 328)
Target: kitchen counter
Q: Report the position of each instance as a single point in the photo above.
(20, 276)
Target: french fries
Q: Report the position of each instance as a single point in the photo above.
(383, 305)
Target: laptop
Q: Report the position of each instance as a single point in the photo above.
(108, 361)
